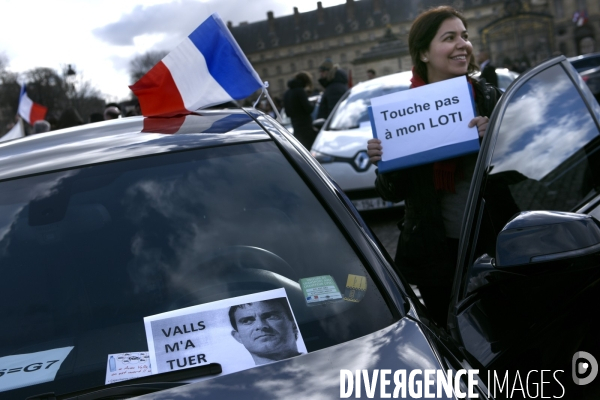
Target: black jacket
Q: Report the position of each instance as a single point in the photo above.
(298, 108)
(422, 252)
(489, 74)
(335, 84)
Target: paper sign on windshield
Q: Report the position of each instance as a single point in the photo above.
(31, 369)
(124, 366)
(238, 333)
(425, 124)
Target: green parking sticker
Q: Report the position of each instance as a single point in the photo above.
(318, 289)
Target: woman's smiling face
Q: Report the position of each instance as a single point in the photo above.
(449, 52)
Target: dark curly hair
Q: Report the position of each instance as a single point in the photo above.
(423, 31)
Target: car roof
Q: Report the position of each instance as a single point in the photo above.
(584, 56)
(124, 138)
(387, 80)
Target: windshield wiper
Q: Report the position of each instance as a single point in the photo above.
(137, 386)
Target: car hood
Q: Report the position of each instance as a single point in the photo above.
(344, 143)
(402, 345)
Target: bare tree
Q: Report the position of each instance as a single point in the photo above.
(140, 64)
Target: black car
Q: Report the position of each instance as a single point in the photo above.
(585, 61)
(592, 78)
(107, 226)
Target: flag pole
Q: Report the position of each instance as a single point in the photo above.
(266, 93)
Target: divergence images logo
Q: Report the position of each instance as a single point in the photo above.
(585, 368)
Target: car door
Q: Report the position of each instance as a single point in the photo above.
(525, 284)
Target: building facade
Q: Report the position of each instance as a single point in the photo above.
(373, 34)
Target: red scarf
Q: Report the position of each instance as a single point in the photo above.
(444, 172)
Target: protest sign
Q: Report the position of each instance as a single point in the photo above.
(424, 124)
(30, 369)
(125, 366)
(238, 333)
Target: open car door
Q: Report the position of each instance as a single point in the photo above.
(526, 291)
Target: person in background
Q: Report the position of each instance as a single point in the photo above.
(41, 126)
(95, 117)
(435, 194)
(112, 111)
(299, 109)
(335, 82)
(371, 74)
(488, 71)
(70, 117)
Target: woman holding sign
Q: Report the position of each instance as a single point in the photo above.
(435, 194)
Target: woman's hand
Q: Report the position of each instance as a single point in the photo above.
(374, 150)
(481, 123)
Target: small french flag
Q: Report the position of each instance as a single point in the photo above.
(208, 68)
(28, 110)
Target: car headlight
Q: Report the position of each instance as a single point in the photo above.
(321, 157)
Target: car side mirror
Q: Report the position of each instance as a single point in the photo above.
(535, 238)
(318, 123)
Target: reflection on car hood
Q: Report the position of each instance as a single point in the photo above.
(345, 143)
(399, 346)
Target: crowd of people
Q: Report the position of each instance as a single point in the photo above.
(70, 117)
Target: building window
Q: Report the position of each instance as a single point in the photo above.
(559, 9)
(278, 69)
(340, 41)
(311, 64)
(262, 57)
(280, 84)
(581, 5)
(343, 57)
(562, 47)
(293, 67)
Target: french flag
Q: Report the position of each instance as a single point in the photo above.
(208, 68)
(28, 110)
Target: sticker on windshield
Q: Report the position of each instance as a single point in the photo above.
(356, 287)
(318, 289)
(237, 333)
(31, 369)
(124, 366)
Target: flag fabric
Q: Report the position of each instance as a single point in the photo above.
(208, 68)
(28, 110)
(15, 132)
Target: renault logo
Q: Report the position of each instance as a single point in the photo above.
(361, 161)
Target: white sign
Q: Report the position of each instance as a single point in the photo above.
(31, 369)
(424, 124)
(238, 333)
(124, 366)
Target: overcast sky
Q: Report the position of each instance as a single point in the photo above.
(99, 37)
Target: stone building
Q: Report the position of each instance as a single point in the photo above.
(365, 34)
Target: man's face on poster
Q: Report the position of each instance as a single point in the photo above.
(265, 330)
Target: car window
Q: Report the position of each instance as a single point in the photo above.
(586, 63)
(352, 110)
(546, 156)
(86, 254)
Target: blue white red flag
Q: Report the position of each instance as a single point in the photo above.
(28, 110)
(208, 68)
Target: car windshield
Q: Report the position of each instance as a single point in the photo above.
(352, 110)
(86, 254)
